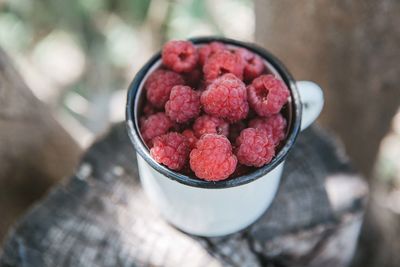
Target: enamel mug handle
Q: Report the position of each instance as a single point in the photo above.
(312, 98)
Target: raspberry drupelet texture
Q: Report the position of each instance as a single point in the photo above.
(253, 64)
(159, 84)
(155, 125)
(226, 98)
(267, 94)
(212, 159)
(208, 50)
(191, 137)
(275, 126)
(183, 104)
(171, 149)
(223, 62)
(207, 124)
(254, 147)
(180, 56)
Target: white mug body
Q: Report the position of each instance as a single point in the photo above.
(208, 211)
(207, 208)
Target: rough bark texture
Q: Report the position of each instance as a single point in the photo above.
(101, 217)
(35, 151)
(351, 48)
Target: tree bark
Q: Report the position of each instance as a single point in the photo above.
(351, 48)
(102, 217)
(35, 151)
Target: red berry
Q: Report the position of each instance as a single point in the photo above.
(180, 56)
(254, 147)
(183, 104)
(253, 64)
(159, 85)
(212, 159)
(208, 50)
(226, 98)
(267, 95)
(155, 125)
(223, 62)
(171, 149)
(207, 124)
(275, 126)
(191, 137)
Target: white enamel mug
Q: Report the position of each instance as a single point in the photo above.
(207, 208)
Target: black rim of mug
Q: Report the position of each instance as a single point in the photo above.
(293, 126)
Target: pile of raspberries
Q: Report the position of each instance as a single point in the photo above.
(212, 112)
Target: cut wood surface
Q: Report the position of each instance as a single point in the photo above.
(101, 217)
(35, 151)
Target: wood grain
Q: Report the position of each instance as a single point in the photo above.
(101, 217)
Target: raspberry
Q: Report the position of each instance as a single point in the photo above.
(275, 126)
(159, 85)
(212, 159)
(253, 64)
(208, 50)
(254, 147)
(226, 98)
(223, 62)
(183, 104)
(191, 137)
(207, 124)
(179, 56)
(267, 95)
(155, 125)
(171, 149)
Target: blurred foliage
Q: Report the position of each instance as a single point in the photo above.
(79, 55)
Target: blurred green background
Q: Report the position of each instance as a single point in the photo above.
(79, 56)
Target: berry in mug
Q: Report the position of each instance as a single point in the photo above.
(213, 111)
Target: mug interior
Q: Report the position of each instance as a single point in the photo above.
(291, 111)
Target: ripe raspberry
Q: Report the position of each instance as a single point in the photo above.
(180, 56)
(208, 50)
(253, 64)
(159, 85)
(171, 149)
(223, 62)
(254, 147)
(212, 159)
(267, 95)
(274, 125)
(155, 125)
(191, 137)
(207, 124)
(183, 104)
(226, 98)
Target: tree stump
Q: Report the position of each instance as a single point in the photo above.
(35, 151)
(101, 217)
